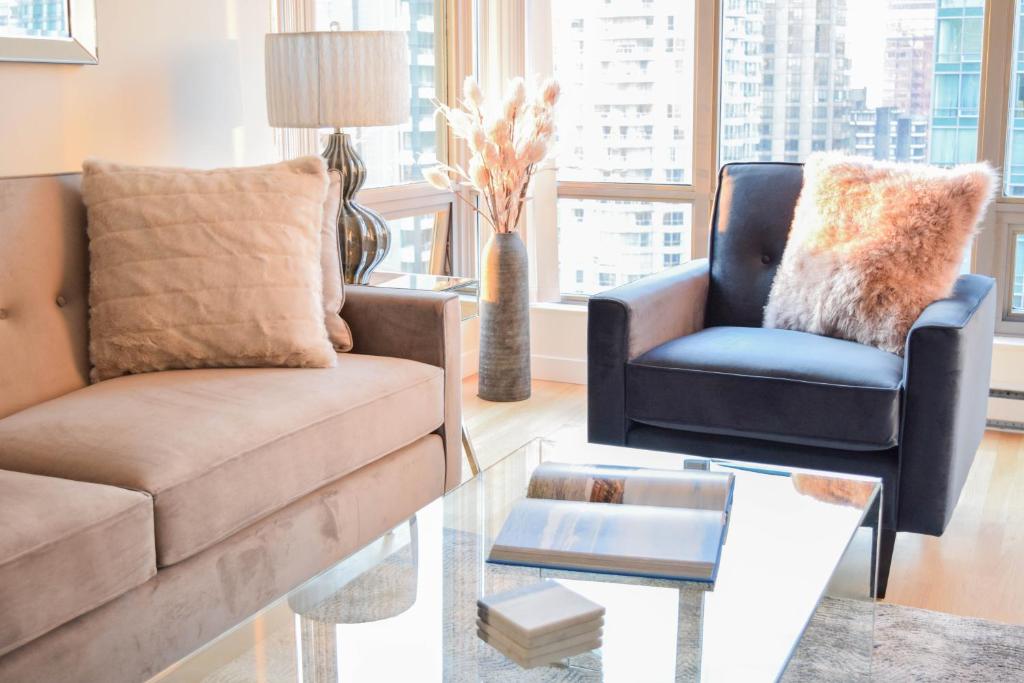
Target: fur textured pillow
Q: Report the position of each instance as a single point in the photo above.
(872, 244)
(216, 268)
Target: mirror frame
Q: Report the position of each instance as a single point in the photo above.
(79, 48)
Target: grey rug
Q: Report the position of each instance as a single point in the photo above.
(914, 645)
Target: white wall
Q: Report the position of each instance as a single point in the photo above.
(180, 82)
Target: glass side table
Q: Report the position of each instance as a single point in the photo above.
(467, 289)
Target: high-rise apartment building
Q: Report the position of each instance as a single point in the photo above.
(956, 87)
(909, 56)
(622, 120)
(885, 133)
(742, 78)
(806, 78)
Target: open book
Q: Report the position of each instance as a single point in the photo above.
(619, 520)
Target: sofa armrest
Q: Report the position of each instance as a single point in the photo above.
(946, 377)
(421, 326)
(628, 321)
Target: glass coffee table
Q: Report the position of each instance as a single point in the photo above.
(791, 600)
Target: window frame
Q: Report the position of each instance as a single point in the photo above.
(698, 193)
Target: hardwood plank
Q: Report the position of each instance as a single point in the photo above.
(975, 569)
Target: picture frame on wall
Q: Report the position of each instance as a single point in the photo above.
(48, 31)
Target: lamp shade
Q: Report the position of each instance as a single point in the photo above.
(334, 79)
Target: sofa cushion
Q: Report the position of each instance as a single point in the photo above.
(770, 384)
(65, 548)
(205, 269)
(220, 448)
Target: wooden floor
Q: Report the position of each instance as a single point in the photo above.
(975, 569)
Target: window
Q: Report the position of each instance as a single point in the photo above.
(673, 218)
(1013, 168)
(616, 87)
(898, 81)
(626, 135)
(1017, 286)
(411, 239)
(394, 154)
(619, 241)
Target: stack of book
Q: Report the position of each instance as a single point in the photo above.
(539, 624)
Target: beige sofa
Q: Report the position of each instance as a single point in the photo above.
(142, 516)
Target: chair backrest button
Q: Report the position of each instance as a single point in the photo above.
(766, 259)
(61, 301)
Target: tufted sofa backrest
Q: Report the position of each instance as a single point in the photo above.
(749, 226)
(44, 304)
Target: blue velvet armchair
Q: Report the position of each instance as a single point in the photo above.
(679, 361)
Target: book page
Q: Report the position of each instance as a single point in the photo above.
(632, 486)
(622, 539)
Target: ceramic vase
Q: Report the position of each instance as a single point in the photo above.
(504, 320)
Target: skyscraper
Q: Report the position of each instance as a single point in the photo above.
(806, 78)
(909, 55)
(626, 115)
(741, 82)
(956, 90)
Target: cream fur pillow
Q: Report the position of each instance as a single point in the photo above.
(872, 244)
(194, 269)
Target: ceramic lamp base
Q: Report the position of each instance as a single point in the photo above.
(363, 235)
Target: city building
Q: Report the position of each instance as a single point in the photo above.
(956, 87)
(909, 56)
(741, 79)
(885, 133)
(615, 124)
(806, 78)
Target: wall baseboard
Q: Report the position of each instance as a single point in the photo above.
(470, 362)
(557, 369)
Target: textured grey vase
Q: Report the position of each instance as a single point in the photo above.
(363, 235)
(504, 320)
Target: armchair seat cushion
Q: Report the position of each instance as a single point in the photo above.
(773, 384)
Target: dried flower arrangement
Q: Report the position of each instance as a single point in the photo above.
(508, 142)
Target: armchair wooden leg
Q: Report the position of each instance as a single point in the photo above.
(881, 553)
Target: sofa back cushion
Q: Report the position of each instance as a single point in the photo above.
(218, 268)
(749, 226)
(43, 290)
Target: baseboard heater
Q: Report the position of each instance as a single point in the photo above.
(1006, 425)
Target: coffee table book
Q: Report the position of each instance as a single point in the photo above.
(666, 524)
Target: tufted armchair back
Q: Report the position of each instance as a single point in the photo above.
(44, 277)
(753, 211)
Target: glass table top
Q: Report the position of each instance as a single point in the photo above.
(404, 607)
(466, 288)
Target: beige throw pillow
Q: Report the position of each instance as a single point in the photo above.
(330, 262)
(216, 268)
(872, 244)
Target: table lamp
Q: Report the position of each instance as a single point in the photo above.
(339, 79)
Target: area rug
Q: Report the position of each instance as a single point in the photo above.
(913, 645)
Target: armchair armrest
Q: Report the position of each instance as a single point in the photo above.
(946, 377)
(627, 321)
(421, 326)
